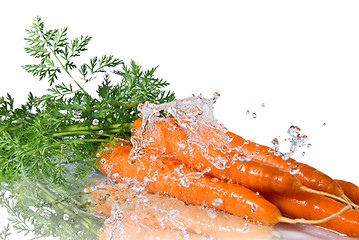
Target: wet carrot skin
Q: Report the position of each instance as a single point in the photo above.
(313, 206)
(351, 190)
(307, 175)
(236, 199)
(172, 139)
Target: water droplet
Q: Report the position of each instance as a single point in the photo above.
(184, 182)
(303, 153)
(286, 156)
(211, 213)
(174, 213)
(294, 171)
(324, 124)
(103, 161)
(275, 143)
(95, 122)
(245, 159)
(100, 132)
(277, 154)
(247, 112)
(254, 115)
(207, 170)
(66, 217)
(309, 145)
(263, 105)
(214, 179)
(245, 228)
(217, 202)
(219, 163)
(216, 95)
(254, 207)
(97, 154)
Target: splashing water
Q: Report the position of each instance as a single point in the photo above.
(195, 116)
(183, 178)
(296, 141)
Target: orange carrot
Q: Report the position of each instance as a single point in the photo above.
(350, 189)
(170, 138)
(307, 175)
(312, 206)
(166, 176)
(193, 189)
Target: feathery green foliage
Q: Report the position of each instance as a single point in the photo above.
(48, 144)
(67, 124)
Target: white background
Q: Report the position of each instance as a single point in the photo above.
(299, 58)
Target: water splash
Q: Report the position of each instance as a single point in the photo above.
(184, 178)
(194, 115)
(296, 141)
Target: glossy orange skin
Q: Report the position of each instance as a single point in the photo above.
(350, 189)
(314, 207)
(171, 139)
(307, 175)
(236, 199)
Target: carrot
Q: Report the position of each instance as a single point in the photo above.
(201, 191)
(170, 138)
(165, 216)
(166, 176)
(307, 175)
(350, 189)
(312, 206)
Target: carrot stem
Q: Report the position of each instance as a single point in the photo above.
(343, 199)
(301, 220)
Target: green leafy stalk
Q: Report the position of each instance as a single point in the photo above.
(67, 124)
(48, 145)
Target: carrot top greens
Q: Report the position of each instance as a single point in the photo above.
(67, 124)
(48, 144)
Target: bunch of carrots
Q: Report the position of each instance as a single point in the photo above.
(262, 189)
